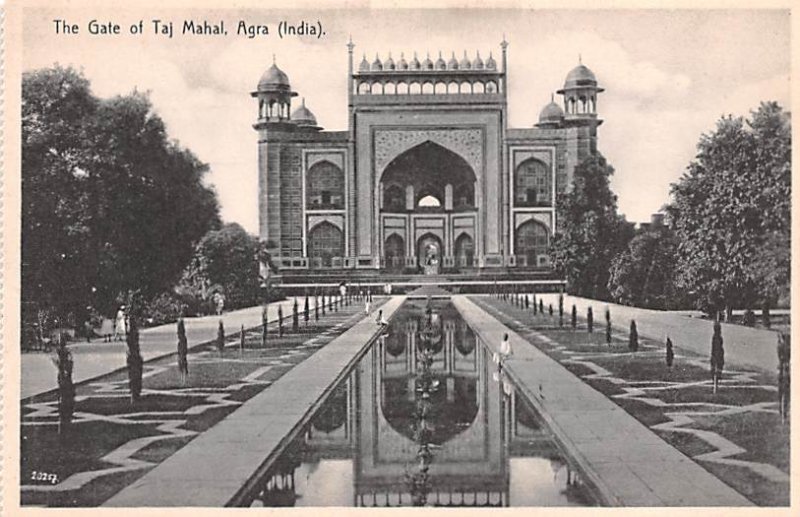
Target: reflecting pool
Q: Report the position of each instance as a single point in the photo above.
(425, 418)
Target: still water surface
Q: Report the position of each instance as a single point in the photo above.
(424, 418)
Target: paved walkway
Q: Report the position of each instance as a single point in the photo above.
(93, 359)
(629, 464)
(225, 459)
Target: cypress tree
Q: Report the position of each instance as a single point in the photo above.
(717, 354)
(541, 306)
(608, 326)
(241, 341)
(590, 320)
(295, 317)
(134, 360)
(535, 305)
(66, 389)
(323, 304)
(305, 311)
(527, 302)
(183, 351)
(633, 338)
(316, 308)
(560, 309)
(574, 320)
(550, 309)
(264, 322)
(670, 353)
(220, 337)
(280, 320)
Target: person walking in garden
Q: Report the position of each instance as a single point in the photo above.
(120, 328)
(366, 305)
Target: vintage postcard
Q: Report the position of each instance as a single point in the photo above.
(376, 255)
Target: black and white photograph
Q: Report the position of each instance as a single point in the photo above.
(372, 255)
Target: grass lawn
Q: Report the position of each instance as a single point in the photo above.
(764, 437)
(106, 420)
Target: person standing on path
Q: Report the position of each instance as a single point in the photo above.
(120, 329)
(504, 351)
(366, 306)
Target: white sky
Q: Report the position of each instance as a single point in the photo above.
(668, 75)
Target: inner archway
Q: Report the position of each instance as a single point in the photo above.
(425, 170)
(394, 252)
(325, 241)
(429, 253)
(531, 240)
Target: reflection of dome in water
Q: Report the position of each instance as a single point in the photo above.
(464, 340)
(447, 418)
(333, 413)
(395, 343)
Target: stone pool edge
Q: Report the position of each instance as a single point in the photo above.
(220, 466)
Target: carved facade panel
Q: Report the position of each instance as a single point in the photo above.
(468, 143)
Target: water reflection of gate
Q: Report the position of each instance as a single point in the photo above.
(470, 464)
(359, 448)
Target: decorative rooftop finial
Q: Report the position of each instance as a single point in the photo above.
(350, 44)
(303, 101)
(504, 43)
(273, 59)
(552, 97)
(580, 59)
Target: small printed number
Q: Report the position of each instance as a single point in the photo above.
(44, 476)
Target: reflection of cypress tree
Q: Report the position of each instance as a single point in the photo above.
(183, 351)
(66, 389)
(134, 360)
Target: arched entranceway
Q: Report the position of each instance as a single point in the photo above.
(429, 253)
(464, 250)
(531, 241)
(394, 252)
(325, 241)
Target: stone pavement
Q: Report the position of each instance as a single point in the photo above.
(744, 346)
(628, 463)
(223, 462)
(98, 358)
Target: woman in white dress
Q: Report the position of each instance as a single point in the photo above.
(120, 329)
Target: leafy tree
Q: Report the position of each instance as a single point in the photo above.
(110, 206)
(229, 258)
(643, 275)
(731, 213)
(589, 232)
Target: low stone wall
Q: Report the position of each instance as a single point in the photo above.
(744, 346)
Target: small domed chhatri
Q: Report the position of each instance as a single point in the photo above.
(402, 64)
(364, 66)
(551, 113)
(274, 79)
(491, 64)
(580, 76)
(453, 63)
(440, 63)
(465, 63)
(303, 116)
(377, 65)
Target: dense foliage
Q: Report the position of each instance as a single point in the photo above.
(589, 232)
(110, 205)
(731, 213)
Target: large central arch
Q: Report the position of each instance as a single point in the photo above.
(429, 170)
